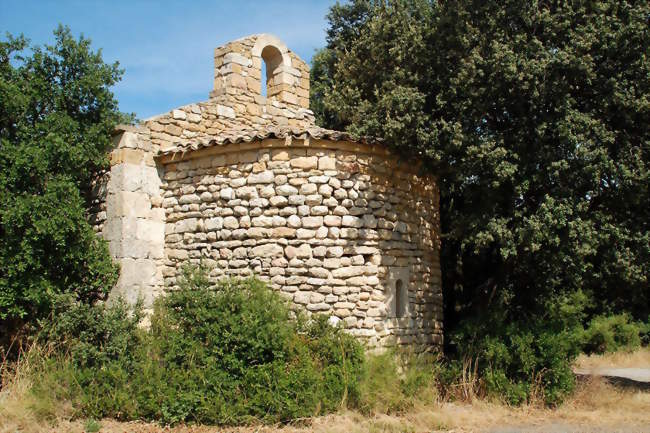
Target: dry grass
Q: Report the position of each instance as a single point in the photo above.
(636, 359)
(595, 406)
(20, 409)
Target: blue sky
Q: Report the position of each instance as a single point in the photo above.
(166, 47)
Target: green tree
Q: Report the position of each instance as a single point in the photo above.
(534, 116)
(56, 117)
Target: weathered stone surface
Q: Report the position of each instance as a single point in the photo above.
(268, 250)
(351, 221)
(215, 223)
(303, 251)
(312, 222)
(262, 177)
(286, 190)
(305, 163)
(349, 271)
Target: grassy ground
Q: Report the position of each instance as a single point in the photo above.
(596, 407)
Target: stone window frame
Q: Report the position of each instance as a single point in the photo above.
(397, 285)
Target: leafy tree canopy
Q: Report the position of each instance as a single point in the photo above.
(56, 117)
(534, 116)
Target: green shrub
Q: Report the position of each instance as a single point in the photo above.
(229, 354)
(645, 333)
(58, 113)
(394, 381)
(613, 333)
(520, 360)
(93, 334)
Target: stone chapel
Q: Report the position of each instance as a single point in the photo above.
(249, 185)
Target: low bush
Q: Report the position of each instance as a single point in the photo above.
(227, 354)
(613, 333)
(521, 360)
(395, 381)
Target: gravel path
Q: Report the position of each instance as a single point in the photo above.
(635, 374)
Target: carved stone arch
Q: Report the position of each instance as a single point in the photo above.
(274, 54)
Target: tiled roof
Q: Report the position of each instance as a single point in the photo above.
(250, 135)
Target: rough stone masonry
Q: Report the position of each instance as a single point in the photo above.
(249, 185)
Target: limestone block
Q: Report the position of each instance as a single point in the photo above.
(246, 192)
(334, 183)
(305, 233)
(150, 231)
(283, 232)
(319, 307)
(351, 221)
(261, 177)
(127, 203)
(230, 223)
(302, 298)
(259, 202)
(268, 250)
(308, 188)
(360, 249)
(215, 223)
(186, 225)
(331, 263)
(179, 114)
(319, 210)
(279, 221)
(225, 111)
(286, 190)
(237, 180)
(194, 117)
(349, 271)
(190, 198)
(278, 201)
(321, 232)
(319, 273)
(325, 190)
(296, 200)
(303, 251)
(336, 251)
(312, 222)
(262, 221)
(313, 199)
(227, 194)
(267, 191)
(332, 220)
(340, 210)
(326, 163)
(304, 162)
(319, 179)
(294, 221)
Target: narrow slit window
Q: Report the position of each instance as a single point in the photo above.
(264, 87)
(271, 61)
(400, 298)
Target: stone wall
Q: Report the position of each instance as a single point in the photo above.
(339, 228)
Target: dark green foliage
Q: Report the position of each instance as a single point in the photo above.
(56, 117)
(613, 333)
(92, 335)
(520, 361)
(533, 115)
(228, 354)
